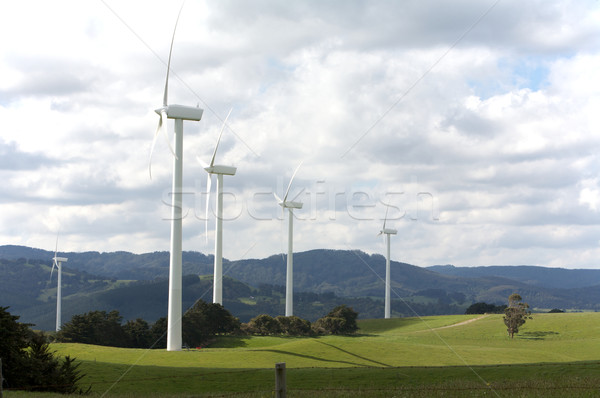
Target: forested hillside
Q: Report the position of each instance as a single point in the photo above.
(136, 285)
(559, 278)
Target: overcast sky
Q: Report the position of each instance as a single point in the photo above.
(477, 121)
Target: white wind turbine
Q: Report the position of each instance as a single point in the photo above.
(57, 262)
(387, 232)
(179, 113)
(220, 171)
(290, 205)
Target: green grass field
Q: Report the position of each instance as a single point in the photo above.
(553, 355)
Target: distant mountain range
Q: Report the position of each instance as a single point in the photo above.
(560, 278)
(136, 284)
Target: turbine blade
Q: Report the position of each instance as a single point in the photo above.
(386, 213)
(154, 144)
(299, 193)
(163, 114)
(53, 265)
(291, 180)
(56, 247)
(166, 94)
(212, 161)
(202, 162)
(277, 198)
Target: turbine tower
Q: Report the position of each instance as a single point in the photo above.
(179, 113)
(220, 171)
(290, 205)
(387, 232)
(57, 262)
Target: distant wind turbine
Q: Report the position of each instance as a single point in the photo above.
(179, 113)
(220, 171)
(57, 262)
(387, 232)
(290, 205)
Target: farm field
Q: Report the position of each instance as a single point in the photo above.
(462, 355)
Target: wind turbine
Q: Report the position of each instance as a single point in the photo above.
(220, 171)
(387, 232)
(179, 113)
(57, 262)
(290, 205)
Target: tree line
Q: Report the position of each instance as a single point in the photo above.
(200, 325)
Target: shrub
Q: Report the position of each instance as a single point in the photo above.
(340, 320)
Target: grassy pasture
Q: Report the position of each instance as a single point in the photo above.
(464, 355)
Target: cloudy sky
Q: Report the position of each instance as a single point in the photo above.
(477, 121)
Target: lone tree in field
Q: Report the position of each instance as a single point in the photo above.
(515, 314)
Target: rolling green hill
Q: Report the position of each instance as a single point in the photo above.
(554, 355)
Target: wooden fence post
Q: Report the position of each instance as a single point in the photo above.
(280, 387)
(1, 378)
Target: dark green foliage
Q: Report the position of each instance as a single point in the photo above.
(293, 325)
(95, 327)
(138, 333)
(485, 308)
(263, 325)
(158, 333)
(48, 373)
(14, 339)
(329, 325)
(27, 362)
(203, 321)
(555, 311)
(340, 320)
(515, 314)
(288, 325)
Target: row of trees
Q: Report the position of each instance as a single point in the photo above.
(28, 363)
(485, 308)
(340, 320)
(201, 324)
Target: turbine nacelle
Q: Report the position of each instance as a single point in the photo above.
(183, 112)
(388, 231)
(219, 169)
(291, 205)
(60, 259)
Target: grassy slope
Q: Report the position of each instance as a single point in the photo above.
(386, 354)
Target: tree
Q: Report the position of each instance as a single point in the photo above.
(340, 320)
(138, 333)
(515, 314)
(27, 362)
(158, 333)
(203, 321)
(95, 327)
(264, 325)
(293, 325)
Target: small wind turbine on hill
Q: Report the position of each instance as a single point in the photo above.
(387, 232)
(179, 113)
(290, 205)
(57, 262)
(220, 171)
